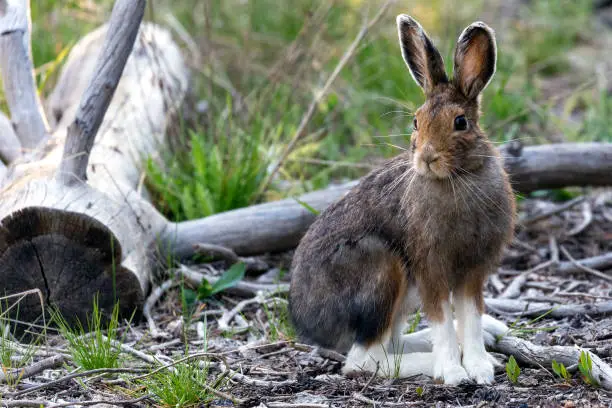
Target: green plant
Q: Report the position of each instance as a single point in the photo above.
(561, 371)
(415, 322)
(279, 321)
(182, 386)
(228, 279)
(585, 365)
(95, 347)
(419, 391)
(513, 370)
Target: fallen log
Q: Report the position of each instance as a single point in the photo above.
(74, 221)
(279, 225)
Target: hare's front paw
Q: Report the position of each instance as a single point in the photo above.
(450, 372)
(479, 367)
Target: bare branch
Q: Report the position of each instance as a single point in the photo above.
(10, 147)
(17, 69)
(123, 29)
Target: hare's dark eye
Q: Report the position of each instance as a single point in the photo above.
(461, 123)
(414, 124)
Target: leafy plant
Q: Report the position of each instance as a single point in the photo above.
(419, 391)
(228, 279)
(513, 370)
(585, 365)
(561, 371)
(95, 347)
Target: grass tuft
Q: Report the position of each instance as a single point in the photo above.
(95, 347)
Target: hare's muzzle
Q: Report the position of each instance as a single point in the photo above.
(430, 163)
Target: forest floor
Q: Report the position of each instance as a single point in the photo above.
(245, 345)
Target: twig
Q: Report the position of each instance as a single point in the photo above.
(49, 404)
(597, 262)
(76, 375)
(225, 253)
(587, 215)
(583, 268)
(365, 387)
(515, 307)
(513, 290)
(362, 398)
(227, 317)
(228, 255)
(136, 353)
(155, 295)
(32, 370)
(553, 211)
(242, 288)
(289, 405)
(122, 31)
(301, 130)
(323, 352)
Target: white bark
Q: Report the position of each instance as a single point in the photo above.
(108, 217)
(18, 73)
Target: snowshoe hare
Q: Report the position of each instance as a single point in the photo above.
(428, 223)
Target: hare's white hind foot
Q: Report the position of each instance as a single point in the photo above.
(388, 364)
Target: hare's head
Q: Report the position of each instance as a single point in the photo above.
(447, 139)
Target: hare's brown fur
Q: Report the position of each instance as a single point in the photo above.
(443, 229)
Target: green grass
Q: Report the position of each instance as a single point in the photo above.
(180, 387)
(92, 346)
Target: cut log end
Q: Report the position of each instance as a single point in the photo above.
(71, 257)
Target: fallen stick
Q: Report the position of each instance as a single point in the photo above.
(528, 353)
(32, 370)
(597, 262)
(242, 288)
(584, 268)
(533, 309)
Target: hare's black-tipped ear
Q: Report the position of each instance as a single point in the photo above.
(475, 58)
(423, 59)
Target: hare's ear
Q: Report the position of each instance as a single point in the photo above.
(423, 59)
(475, 57)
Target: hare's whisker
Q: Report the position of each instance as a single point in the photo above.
(393, 135)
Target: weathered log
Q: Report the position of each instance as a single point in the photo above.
(279, 225)
(74, 239)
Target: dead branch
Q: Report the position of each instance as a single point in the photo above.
(528, 353)
(34, 369)
(584, 268)
(10, 146)
(559, 165)
(27, 115)
(516, 307)
(597, 262)
(279, 225)
(123, 28)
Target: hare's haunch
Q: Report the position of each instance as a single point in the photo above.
(429, 223)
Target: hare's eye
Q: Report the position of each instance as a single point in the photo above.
(414, 124)
(461, 123)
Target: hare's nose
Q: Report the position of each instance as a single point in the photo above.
(429, 155)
